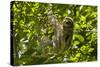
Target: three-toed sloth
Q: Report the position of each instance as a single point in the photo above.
(63, 32)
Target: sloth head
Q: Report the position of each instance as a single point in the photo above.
(68, 22)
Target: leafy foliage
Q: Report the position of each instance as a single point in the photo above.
(29, 21)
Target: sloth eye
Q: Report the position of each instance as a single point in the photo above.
(68, 22)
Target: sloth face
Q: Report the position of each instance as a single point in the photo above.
(68, 22)
(68, 25)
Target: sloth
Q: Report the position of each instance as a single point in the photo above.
(62, 33)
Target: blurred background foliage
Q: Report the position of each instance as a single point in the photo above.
(29, 21)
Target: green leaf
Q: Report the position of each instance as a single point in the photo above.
(78, 55)
(91, 49)
(79, 37)
(83, 18)
(84, 25)
(76, 43)
(77, 26)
